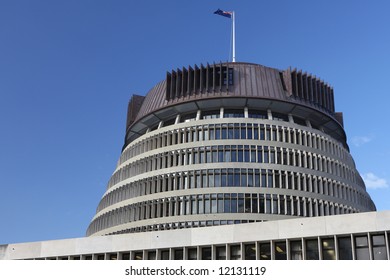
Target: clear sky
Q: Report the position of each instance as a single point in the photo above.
(68, 69)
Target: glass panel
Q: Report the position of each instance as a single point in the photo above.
(345, 248)
(361, 247)
(362, 254)
(280, 251)
(178, 255)
(379, 251)
(192, 254)
(378, 240)
(214, 208)
(328, 250)
(235, 252)
(241, 205)
(137, 255)
(296, 250)
(206, 253)
(165, 255)
(250, 251)
(265, 251)
(361, 241)
(221, 253)
(226, 203)
(312, 249)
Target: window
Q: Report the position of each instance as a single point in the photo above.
(164, 254)
(233, 113)
(228, 80)
(379, 247)
(257, 114)
(192, 254)
(265, 251)
(296, 250)
(220, 252)
(152, 255)
(312, 249)
(250, 251)
(279, 117)
(361, 248)
(235, 252)
(345, 248)
(328, 249)
(299, 121)
(206, 253)
(211, 114)
(137, 255)
(178, 254)
(188, 117)
(280, 251)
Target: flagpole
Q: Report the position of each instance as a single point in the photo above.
(234, 37)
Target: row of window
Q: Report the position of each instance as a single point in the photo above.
(235, 153)
(180, 225)
(363, 246)
(248, 131)
(237, 177)
(254, 203)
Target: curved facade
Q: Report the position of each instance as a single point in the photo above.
(230, 143)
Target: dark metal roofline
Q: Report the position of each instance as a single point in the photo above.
(237, 81)
(156, 97)
(248, 79)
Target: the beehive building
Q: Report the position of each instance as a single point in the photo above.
(231, 161)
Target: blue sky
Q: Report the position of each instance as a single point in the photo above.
(68, 69)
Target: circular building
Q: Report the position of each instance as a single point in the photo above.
(230, 143)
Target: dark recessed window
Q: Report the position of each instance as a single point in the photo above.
(152, 255)
(296, 250)
(233, 113)
(312, 249)
(188, 117)
(178, 254)
(165, 255)
(265, 251)
(257, 114)
(345, 248)
(170, 122)
(215, 114)
(235, 252)
(299, 121)
(279, 117)
(250, 251)
(192, 254)
(280, 251)
(328, 249)
(137, 255)
(206, 253)
(221, 253)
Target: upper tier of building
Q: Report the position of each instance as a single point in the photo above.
(236, 85)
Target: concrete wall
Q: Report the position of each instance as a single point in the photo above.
(272, 230)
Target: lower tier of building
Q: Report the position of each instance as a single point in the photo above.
(342, 237)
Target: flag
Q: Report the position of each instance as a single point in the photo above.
(223, 13)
